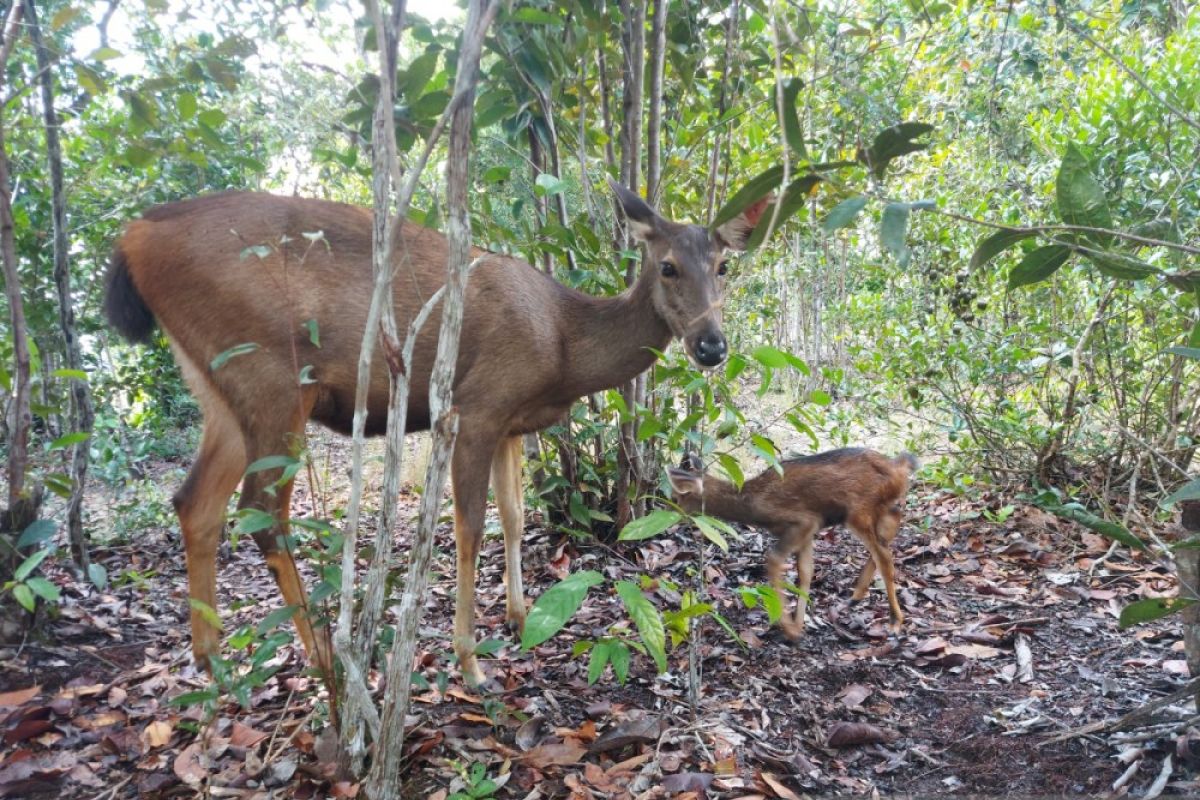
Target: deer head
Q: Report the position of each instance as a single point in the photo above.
(687, 484)
(689, 261)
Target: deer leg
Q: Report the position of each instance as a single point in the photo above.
(200, 504)
(273, 542)
(786, 543)
(469, 471)
(506, 484)
(886, 530)
(804, 569)
(863, 584)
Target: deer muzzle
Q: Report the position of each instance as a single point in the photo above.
(709, 348)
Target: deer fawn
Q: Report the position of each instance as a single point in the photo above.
(530, 347)
(862, 488)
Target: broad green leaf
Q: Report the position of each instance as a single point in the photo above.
(1189, 491)
(766, 448)
(557, 604)
(43, 589)
(24, 596)
(1038, 265)
(142, 111)
(30, 564)
(893, 231)
(994, 245)
(732, 468)
(38, 531)
(1186, 352)
(1076, 513)
(790, 121)
(1151, 609)
(98, 575)
(1081, 199)
(69, 439)
(598, 661)
(648, 428)
(271, 462)
(793, 199)
(549, 185)
(843, 214)
(206, 612)
(273, 620)
(756, 189)
(711, 530)
(1119, 265)
(415, 77)
(253, 520)
(652, 524)
(139, 157)
(76, 374)
(212, 117)
(619, 656)
(579, 511)
(186, 104)
(648, 620)
(489, 647)
(64, 16)
(772, 603)
(536, 16)
(770, 357)
(233, 352)
(893, 142)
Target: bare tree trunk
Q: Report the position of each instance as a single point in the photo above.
(82, 414)
(23, 503)
(658, 55)
(722, 104)
(384, 782)
(633, 41)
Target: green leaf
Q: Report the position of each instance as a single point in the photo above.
(1189, 491)
(44, 589)
(206, 612)
(415, 77)
(772, 603)
(271, 462)
(139, 157)
(793, 199)
(548, 185)
(619, 656)
(76, 374)
(1077, 513)
(212, 117)
(536, 16)
(24, 596)
(141, 111)
(843, 214)
(652, 524)
(598, 661)
(186, 105)
(1038, 265)
(790, 121)
(273, 620)
(64, 16)
(233, 352)
(1119, 265)
(30, 564)
(709, 527)
(1186, 352)
(648, 428)
(732, 468)
(893, 231)
(38, 531)
(1081, 199)
(489, 647)
(994, 245)
(314, 334)
(98, 575)
(69, 439)
(253, 520)
(556, 605)
(756, 189)
(1151, 609)
(774, 358)
(648, 620)
(893, 142)
(579, 511)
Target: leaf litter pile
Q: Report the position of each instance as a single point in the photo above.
(1009, 677)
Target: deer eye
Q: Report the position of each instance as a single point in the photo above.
(723, 268)
(668, 269)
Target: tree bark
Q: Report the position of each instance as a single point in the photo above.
(384, 779)
(1187, 563)
(82, 414)
(23, 502)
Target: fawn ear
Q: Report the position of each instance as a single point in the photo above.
(643, 220)
(684, 483)
(734, 234)
(691, 463)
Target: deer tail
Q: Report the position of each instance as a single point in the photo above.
(124, 306)
(907, 461)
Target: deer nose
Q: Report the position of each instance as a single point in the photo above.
(710, 349)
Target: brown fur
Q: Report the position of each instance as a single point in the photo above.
(862, 488)
(530, 347)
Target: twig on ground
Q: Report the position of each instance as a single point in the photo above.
(1128, 719)
(1160, 782)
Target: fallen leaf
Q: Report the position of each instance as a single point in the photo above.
(188, 767)
(466, 698)
(531, 732)
(157, 734)
(854, 695)
(19, 697)
(560, 753)
(777, 787)
(344, 789)
(933, 645)
(973, 650)
(27, 729)
(688, 782)
(851, 734)
(83, 691)
(1176, 666)
(244, 736)
(635, 730)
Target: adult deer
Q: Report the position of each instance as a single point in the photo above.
(530, 347)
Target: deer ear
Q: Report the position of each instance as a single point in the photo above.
(685, 482)
(734, 234)
(643, 221)
(691, 463)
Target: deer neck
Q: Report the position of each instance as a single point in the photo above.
(612, 339)
(722, 499)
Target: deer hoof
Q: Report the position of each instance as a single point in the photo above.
(515, 623)
(792, 631)
(472, 674)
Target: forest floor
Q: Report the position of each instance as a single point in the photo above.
(1011, 641)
